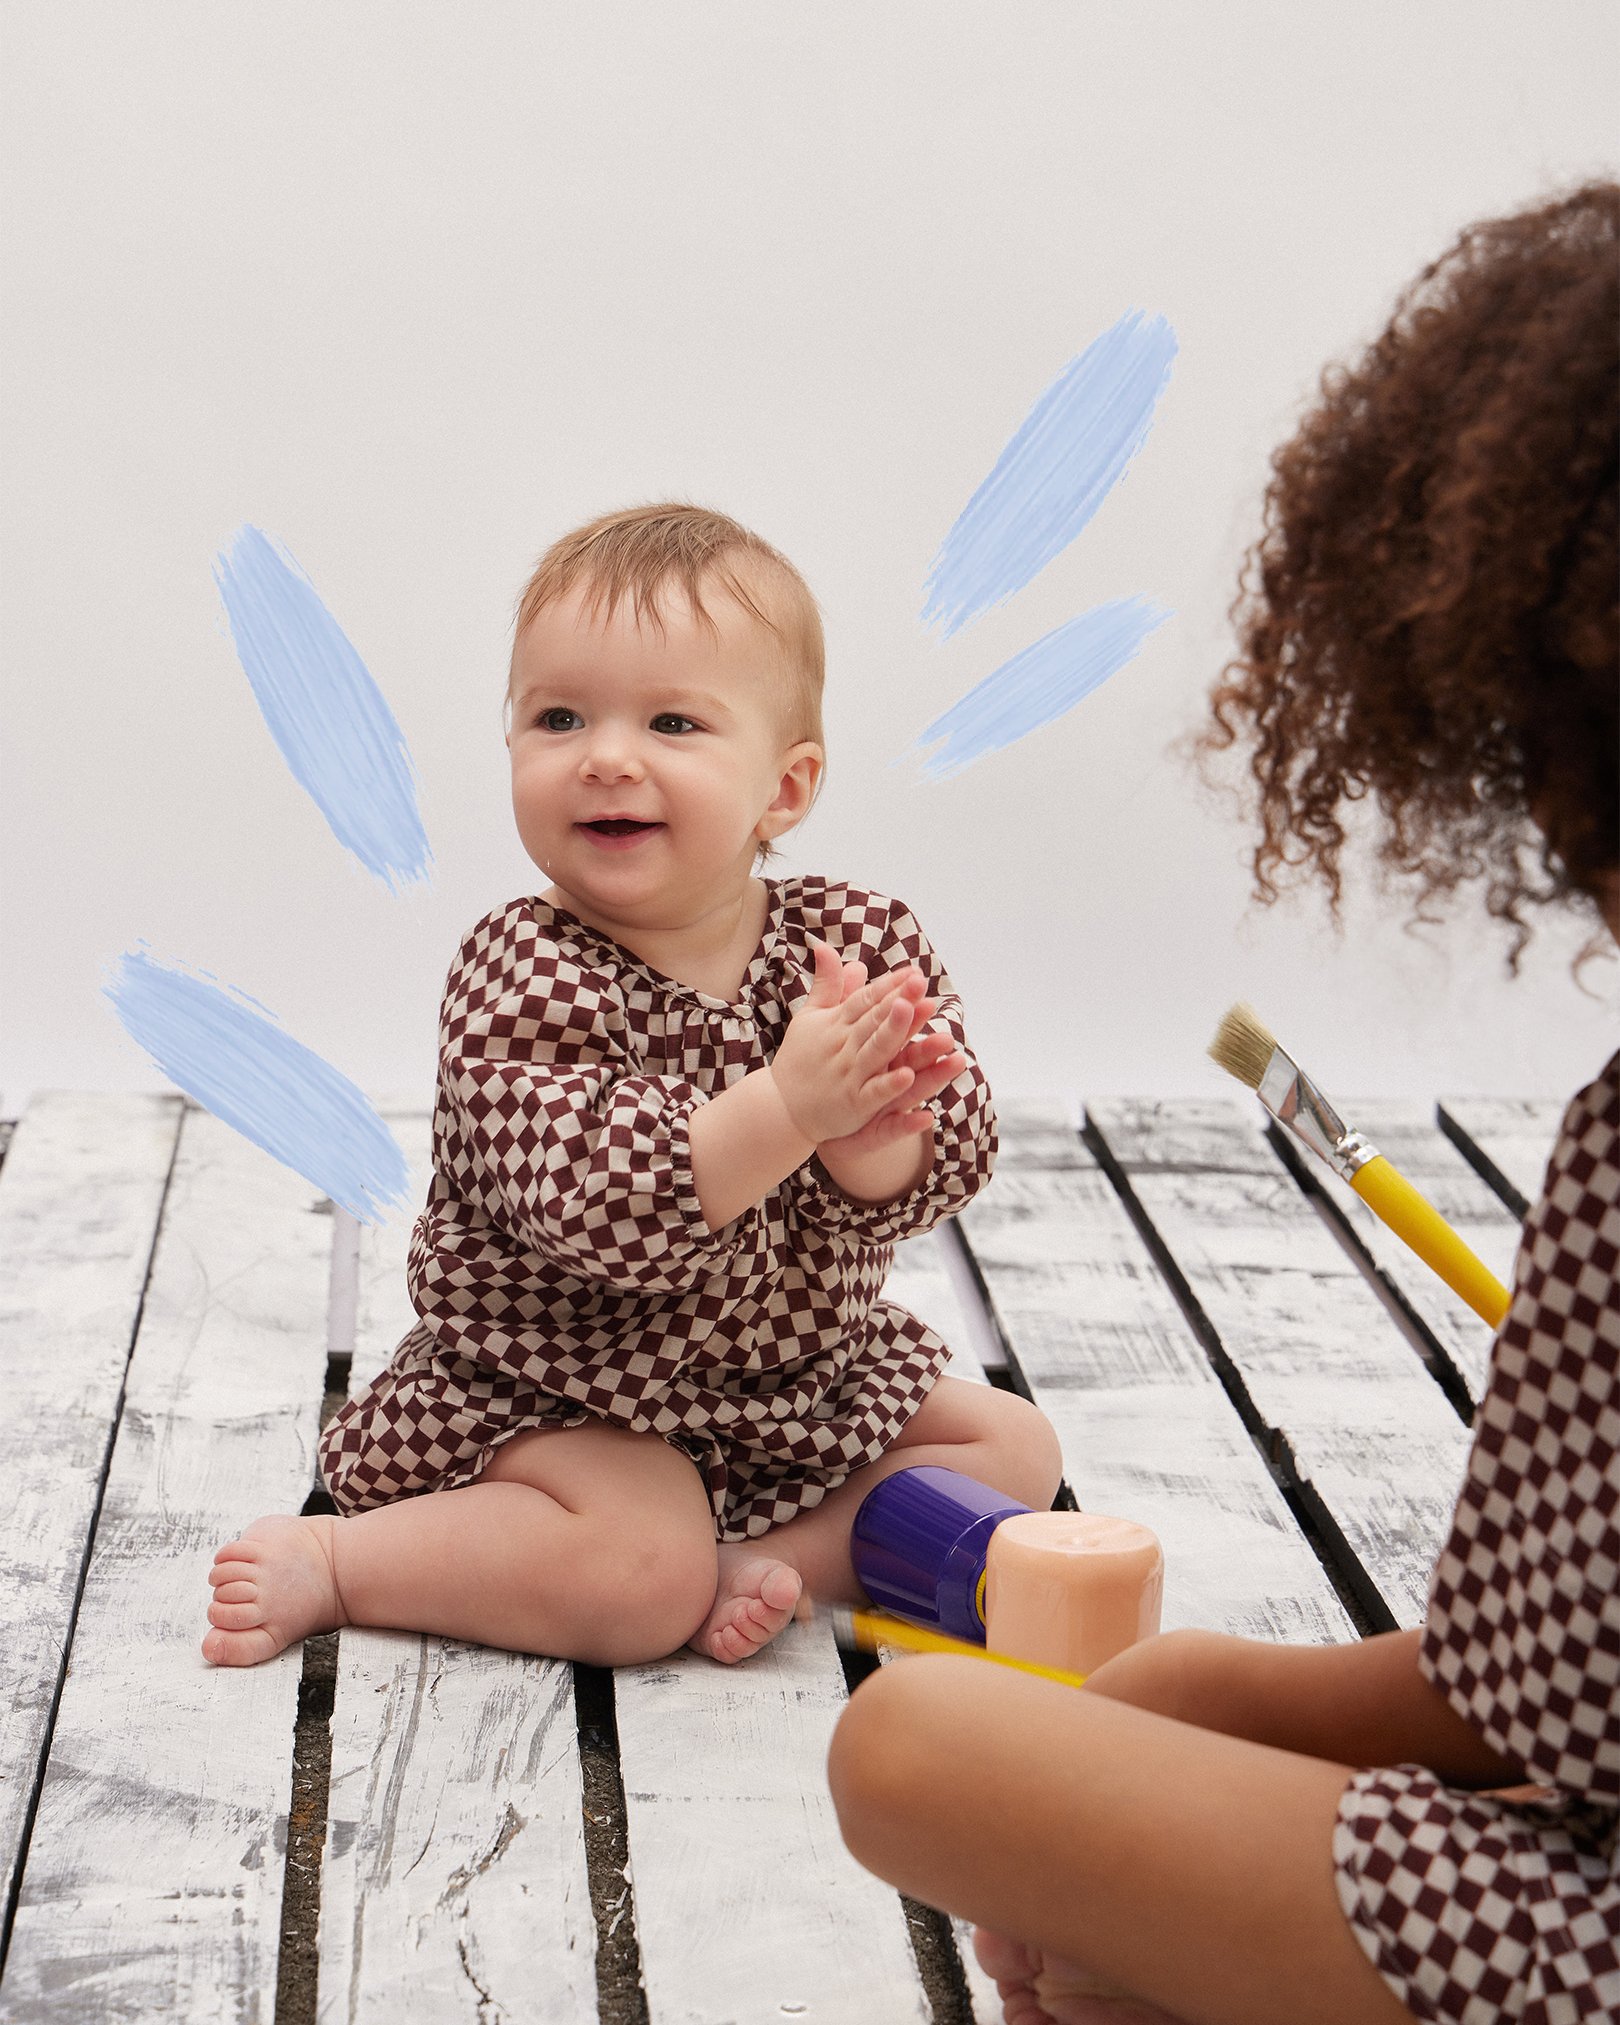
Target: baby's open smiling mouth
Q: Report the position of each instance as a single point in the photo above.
(618, 829)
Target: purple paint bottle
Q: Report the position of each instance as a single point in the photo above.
(919, 1544)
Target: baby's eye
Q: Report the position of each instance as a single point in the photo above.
(670, 720)
(548, 719)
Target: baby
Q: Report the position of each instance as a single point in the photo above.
(683, 1115)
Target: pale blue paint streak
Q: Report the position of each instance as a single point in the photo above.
(259, 1080)
(1038, 685)
(1070, 450)
(335, 730)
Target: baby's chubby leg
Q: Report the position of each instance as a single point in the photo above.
(581, 1543)
(994, 1436)
(997, 1437)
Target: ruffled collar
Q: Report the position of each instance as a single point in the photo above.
(749, 991)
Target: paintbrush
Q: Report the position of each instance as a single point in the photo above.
(867, 1630)
(1245, 1049)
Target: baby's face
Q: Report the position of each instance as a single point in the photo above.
(645, 769)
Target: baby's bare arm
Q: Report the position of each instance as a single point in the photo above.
(743, 1141)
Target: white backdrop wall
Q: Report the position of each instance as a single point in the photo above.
(414, 288)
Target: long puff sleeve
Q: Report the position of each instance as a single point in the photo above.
(550, 1129)
(884, 935)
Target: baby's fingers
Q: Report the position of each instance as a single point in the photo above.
(882, 1035)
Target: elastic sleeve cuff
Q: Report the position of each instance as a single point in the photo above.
(707, 1244)
(826, 1207)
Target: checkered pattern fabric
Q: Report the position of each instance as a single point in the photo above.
(1476, 1908)
(563, 1269)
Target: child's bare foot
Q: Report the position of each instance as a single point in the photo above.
(272, 1586)
(754, 1600)
(1037, 1989)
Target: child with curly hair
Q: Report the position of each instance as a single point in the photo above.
(1423, 1824)
(683, 1115)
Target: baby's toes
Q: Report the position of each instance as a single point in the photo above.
(731, 1643)
(233, 1585)
(221, 1647)
(235, 1616)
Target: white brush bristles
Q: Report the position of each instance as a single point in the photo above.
(1242, 1045)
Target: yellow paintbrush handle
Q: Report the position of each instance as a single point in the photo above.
(1416, 1221)
(871, 1630)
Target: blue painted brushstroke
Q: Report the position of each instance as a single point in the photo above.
(335, 730)
(260, 1081)
(1069, 451)
(1038, 685)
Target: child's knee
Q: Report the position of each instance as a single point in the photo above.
(886, 1748)
(1029, 1457)
(649, 1593)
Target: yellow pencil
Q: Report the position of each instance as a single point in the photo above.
(866, 1630)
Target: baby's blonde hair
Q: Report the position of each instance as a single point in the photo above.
(635, 554)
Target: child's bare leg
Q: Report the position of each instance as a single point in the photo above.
(1192, 1870)
(994, 1436)
(583, 1543)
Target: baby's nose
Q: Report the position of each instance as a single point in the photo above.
(611, 756)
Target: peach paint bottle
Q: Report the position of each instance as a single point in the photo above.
(1071, 1589)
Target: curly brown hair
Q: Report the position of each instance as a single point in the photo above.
(1430, 614)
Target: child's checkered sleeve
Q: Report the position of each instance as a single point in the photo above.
(567, 1146)
(886, 937)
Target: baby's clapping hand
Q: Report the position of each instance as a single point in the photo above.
(855, 1066)
(935, 1061)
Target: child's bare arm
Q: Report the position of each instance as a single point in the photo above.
(1362, 1704)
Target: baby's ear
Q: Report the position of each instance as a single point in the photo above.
(795, 791)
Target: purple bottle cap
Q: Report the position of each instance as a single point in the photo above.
(919, 1544)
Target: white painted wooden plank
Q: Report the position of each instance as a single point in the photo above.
(748, 1905)
(1327, 1369)
(1147, 1431)
(1405, 1132)
(80, 1192)
(1510, 1139)
(154, 1878)
(454, 1882)
(924, 1280)
(931, 1277)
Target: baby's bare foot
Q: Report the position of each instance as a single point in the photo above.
(1038, 1989)
(754, 1600)
(272, 1586)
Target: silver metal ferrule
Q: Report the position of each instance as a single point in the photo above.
(1295, 1101)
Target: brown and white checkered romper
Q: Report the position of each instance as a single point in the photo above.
(562, 1268)
(1474, 1908)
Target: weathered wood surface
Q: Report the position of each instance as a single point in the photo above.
(80, 1193)
(747, 1903)
(154, 1877)
(454, 1875)
(1405, 1132)
(1146, 1430)
(454, 1882)
(1509, 1140)
(1328, 1373)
